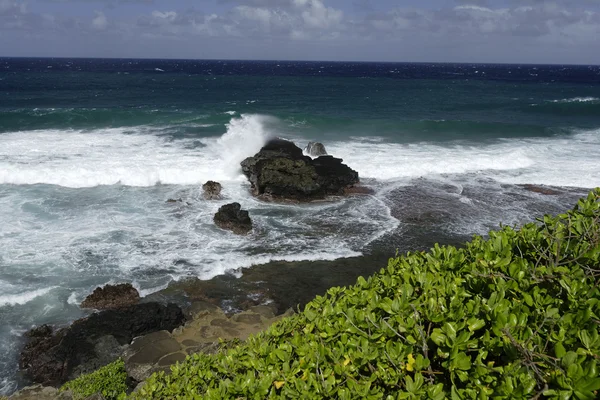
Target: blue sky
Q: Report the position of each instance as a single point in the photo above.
(510, 31)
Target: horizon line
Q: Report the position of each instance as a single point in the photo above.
(293, 60)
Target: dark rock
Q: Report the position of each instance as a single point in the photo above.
(233, 218)
(280, 171)
(315, 149)
(212, 190)
(107, 349)
(358, 190)
(541, 189)
(52, 359)
(174, 201)
(112, 296)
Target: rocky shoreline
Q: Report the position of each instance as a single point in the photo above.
(204, 328)
(192, 315)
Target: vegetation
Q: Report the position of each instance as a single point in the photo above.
(108, 381)
(513, 316)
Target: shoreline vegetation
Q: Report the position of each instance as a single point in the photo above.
(512, 316)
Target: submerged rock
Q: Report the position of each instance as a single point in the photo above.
(212, 190)
(540, 189)
(315, 149)
(52, 358)
(281, 171)
(112, 296)
(231, 217)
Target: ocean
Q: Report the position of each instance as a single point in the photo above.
(92, 149)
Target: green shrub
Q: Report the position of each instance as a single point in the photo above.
(108, 380)
(514, 316)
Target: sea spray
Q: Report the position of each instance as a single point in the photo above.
(244, 137)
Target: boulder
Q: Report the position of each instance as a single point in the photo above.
(231, 217)
(51, 358)
(315, 149)
(281, 171)
(212, 190)
(112, 296)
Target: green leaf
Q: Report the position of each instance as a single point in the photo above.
(438, 337)
(559, 350)
(590, 385)
(475, 324)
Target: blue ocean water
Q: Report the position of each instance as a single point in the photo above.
(91, 149)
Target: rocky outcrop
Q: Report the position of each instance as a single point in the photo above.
(203, 333)
(52, 358)
(231, 217)
(112, 296)
(281, 171)
(212, 190)
(315, 149)
(39, 392)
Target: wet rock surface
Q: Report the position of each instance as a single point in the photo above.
(280, 171)
(541, 190)
(202, 333)
(212, 190)
(232, 218)
(39, 392)
(112, 296)
(51, 358)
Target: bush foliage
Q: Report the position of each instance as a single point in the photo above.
(513, 316)
(108, 381)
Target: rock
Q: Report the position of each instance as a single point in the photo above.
(107, 349)
(141, 357)
(231, 217)
(358, 190)
(315, 149)
(540, 189)
(212, 190)
(52, 359)
(112, 296)
(280, 171)
(174, 201)
(39, 392)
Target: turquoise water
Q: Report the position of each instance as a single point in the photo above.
(90, 150)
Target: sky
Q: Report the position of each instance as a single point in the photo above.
(500, 31)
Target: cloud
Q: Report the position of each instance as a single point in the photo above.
(99, 22)
(12, 7)
(463, 29)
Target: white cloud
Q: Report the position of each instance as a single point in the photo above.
(166, 15)
(100, 22)
(476, 27)
(12, 7)
(316, 15)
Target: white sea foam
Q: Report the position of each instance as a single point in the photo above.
(23, 297)
(74, 299)
(127, 156)
(577, 100)
(561, 161)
